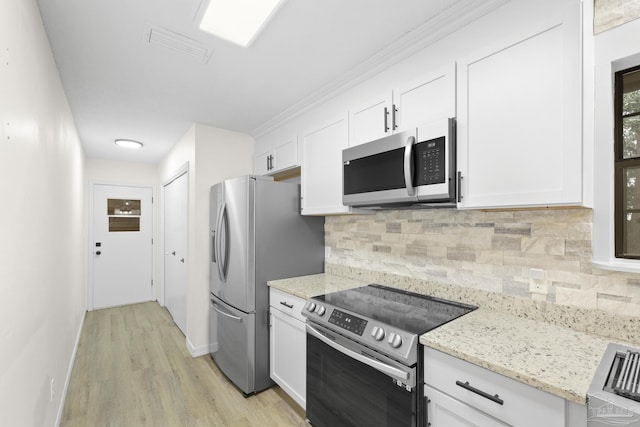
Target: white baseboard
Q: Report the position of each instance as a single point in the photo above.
(70, 370)
(197, 351)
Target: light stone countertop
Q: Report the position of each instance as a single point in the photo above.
(316, 284)
(555, 359)
(558, 360)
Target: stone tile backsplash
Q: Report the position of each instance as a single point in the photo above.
(611, 13)
(542, 255)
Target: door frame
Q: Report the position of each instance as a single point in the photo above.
(160, 294)
(90, 236)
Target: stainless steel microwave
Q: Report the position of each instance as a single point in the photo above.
(415, 167)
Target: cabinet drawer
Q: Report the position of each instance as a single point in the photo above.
(287, 303)
(522, 405)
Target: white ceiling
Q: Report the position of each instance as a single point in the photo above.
(120, 86)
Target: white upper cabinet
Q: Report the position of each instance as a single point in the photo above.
(429, 97)
(321, 171)
(276, 154)
(371, 119)
(519, 118)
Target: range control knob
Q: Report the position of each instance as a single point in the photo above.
(377, 333)
(320, 310)
(395, 340)
(310, 307)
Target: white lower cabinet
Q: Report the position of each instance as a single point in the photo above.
(443, 410)
(462, 394)
(288, 344)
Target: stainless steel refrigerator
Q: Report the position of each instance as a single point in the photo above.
(257, 234)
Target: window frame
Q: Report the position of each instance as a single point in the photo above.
(620, 165)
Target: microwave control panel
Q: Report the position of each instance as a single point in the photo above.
(430, 165)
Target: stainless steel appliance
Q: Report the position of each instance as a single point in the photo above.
(614, 396)
(416, 167)
(257, 234)
(364, 361)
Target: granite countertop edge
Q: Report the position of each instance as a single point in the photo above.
(515, 347)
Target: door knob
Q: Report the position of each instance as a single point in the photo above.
(98, 252)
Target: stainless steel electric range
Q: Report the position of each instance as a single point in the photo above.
(364, 361)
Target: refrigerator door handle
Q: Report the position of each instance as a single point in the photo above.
(216, 242)
(213, 246)
(222, 313)
(223, 239)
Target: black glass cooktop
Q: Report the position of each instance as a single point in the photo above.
(412, 312)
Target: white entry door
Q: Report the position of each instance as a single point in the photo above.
(176, 223)
(122, 245)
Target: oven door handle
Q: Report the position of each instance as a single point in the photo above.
(382, 367)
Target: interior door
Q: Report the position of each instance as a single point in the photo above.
(122, 245)
(176, 223)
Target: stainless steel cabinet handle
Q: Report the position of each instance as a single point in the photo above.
(386, 120)
(472, 389)
(408, 165)
(382, 367)
(286, 305)
(394, 111)
(459, 187)
(222, 313)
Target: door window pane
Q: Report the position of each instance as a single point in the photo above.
(117, 223)
(124, 215)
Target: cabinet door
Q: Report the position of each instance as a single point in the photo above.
(445, 411)
(261, 163)
(519, 121)
(321, 171)
(285, 155)
(370, 120)
(428, 98)
(288, 359)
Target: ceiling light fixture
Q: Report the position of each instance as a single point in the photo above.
(128, 143)
(238, 21)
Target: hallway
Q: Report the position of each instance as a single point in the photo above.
(133, 369)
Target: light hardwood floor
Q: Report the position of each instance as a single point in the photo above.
(133, 369)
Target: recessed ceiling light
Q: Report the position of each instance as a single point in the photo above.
(238, 21)
(128, 143)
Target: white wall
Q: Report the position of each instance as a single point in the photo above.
(42, 223)
(124, 173)
(212, 155)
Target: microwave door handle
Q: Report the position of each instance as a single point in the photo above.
(408, 166)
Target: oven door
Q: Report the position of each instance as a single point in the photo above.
(347, 386)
